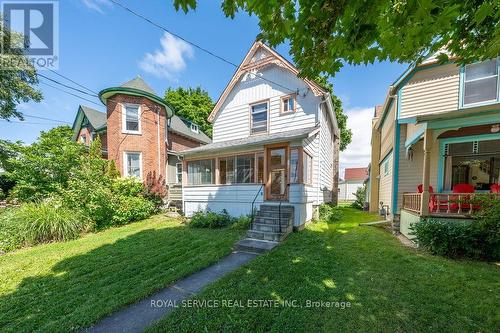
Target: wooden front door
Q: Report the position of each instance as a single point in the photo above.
(277, 173)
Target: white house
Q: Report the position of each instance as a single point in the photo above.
(354, 178)
(275, 143)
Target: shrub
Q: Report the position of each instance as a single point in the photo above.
(360, 195)
(32, 224)
(155, 189)
(446, 238)
(242, 223)
(329, 213)
(486, 226)
(130, 209)
(6, 185)
(210, 220)
(129, 186)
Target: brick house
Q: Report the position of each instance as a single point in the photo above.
(140, 132)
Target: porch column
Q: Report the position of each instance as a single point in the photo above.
(428, 138)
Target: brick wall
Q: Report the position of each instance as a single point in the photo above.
(84, 131)
(177, 142)
(147, 142)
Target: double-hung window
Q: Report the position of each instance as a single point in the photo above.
(133, 164)
(195, 128)
(294, 165)
(178, 173)
(131, 119)
(258, 121)
(480, 83)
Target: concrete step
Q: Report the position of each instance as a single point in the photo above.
(254, 245)
(276, 208)
(269, 236)
(265, 227)
(276, 214)
(273, 220)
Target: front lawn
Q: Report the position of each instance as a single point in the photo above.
(391, 288)
(70, 285)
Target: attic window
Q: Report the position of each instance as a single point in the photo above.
(195, 128)
(288, 104)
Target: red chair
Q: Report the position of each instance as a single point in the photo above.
(420, 188)
(461, 203)
(495, 188)
(432, 199)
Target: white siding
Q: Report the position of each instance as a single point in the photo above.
(233, 120)
(431, 91)
(311, 146)
(326, 158)
(347, 191)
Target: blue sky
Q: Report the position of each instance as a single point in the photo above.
(101, 45)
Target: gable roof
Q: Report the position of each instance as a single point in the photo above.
(352, 174)
(136, 87)
(180, 126)
(96, 118)
(250, 62)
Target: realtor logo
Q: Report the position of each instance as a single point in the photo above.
(34, 28)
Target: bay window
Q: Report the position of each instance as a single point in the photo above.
(480, 83)
(200, 172)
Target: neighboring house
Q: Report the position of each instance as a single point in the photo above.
(140, 133)
(439, 127)
(354, 178)
(275, 142)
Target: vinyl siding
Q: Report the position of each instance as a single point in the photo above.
(385, 189)
(387, 132)
(233, 120)
(311, 146)
(347, 191)
(431, 91)
(326, 158)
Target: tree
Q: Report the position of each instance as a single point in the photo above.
(17, 76)
(45, 166)
(324, 34)
(345, 133)
(192, 104)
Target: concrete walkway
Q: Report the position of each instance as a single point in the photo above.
(137, 317)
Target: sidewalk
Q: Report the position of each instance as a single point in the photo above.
(137, 317)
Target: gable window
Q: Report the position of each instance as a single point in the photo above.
(131, 119)
(178, 173)
(288, 104)
(200, 172)
(480, 83)
(133, 164)
(195, 128)
(258, 121)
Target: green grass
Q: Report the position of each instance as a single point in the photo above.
(68, 286)
(391, 288)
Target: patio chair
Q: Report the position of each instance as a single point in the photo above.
(433, 205)
(464, 203)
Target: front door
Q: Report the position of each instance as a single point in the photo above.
(277, 173)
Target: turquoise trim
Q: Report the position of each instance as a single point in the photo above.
(443, 142)
(480, 118)
(412, 120)
(475, 105)
(395, 168)
(386, 157)
(415, 137)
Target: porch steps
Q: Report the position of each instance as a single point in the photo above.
(254, 245)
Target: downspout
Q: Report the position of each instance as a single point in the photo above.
(158, 139)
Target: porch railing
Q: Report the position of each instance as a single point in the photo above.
(463, 204)
(412, 202)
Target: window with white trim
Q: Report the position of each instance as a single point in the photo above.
(258, 121)
(288, 104)
(83, 139)
(294, 165)
(200, 172)
(178, 173)
(131, 118)
(480, 83)
(195, 128)
(133, 164)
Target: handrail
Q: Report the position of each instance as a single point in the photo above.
(253, 205)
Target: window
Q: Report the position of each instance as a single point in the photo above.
(260, 168)
(200, 172)
(294, 166)
(178, 173)
(258, 122)
(133, 165)
(386, 168)
(480, 83)
(288, 104)
(83, 138)
(131, 119)
(474, 162)
(307, 168)
(226, 170)
(195, 128)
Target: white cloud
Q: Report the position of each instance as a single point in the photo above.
(168, 61)
(96, 5)
(358, 152)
